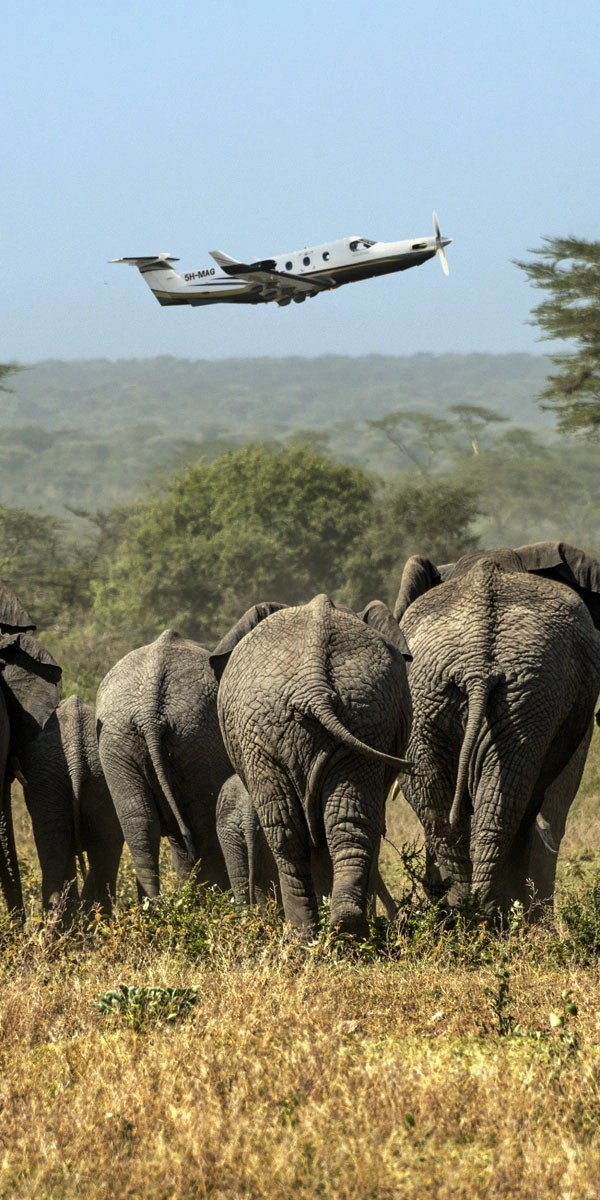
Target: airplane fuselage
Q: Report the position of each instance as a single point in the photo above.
(285, 277)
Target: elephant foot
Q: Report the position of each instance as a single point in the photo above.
(352, 922)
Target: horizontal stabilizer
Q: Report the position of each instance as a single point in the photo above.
(156, 261)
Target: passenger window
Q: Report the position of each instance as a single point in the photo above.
(306, 260)
(288, 266)
(326, 255)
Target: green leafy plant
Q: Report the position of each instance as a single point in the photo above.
(139, 1006)
(499, 999)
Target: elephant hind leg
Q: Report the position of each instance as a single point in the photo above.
(10, 877)
(100, 886)
(286, 831)
(353, 799)
(135, 805)
(558, 798)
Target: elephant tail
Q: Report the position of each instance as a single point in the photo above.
(478, 689)
(326, 716)
(153, 742)
(77, 772)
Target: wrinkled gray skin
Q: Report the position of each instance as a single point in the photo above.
(315, 711)
(163, 757)
(551, 821)
(30, 682)
(71, 810)
(250, 863)
(504, 680)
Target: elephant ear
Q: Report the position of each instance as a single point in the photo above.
(567, 564)
(251, 618)
(31, 682)
(418, 576)
(378, 617)
(13, 617)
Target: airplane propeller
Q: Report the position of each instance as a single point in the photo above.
(440, 242)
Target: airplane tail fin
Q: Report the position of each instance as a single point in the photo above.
(231, 266)
(158, 273)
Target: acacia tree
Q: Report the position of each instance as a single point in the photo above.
(474, 419)
(568, 270)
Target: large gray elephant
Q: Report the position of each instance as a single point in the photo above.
(315, 711)
(504, 682)
(163, 756)
(71, 809)
(30, 682)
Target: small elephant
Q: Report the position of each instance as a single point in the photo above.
(71, 809)
(163, 757)
(315, 711)
(250, 863)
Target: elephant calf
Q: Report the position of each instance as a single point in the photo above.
(70, 808)
(315, 709)
(250, 863)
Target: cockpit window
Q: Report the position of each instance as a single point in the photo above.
(361, 244)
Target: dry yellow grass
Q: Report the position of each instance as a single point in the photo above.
(432, 1071)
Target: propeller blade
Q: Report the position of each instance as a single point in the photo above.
(440, 243)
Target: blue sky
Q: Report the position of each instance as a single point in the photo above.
(139, 126)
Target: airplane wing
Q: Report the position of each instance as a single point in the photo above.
(276, 285)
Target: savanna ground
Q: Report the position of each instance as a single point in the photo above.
(437, 1060)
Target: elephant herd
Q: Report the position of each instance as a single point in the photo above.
(267, 761)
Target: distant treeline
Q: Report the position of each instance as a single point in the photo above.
(439, 453)
(91, 435)
(267, 394)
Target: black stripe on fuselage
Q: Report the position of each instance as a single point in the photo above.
(247, 297)
(352, 272)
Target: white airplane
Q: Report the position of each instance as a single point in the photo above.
(286, 277)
